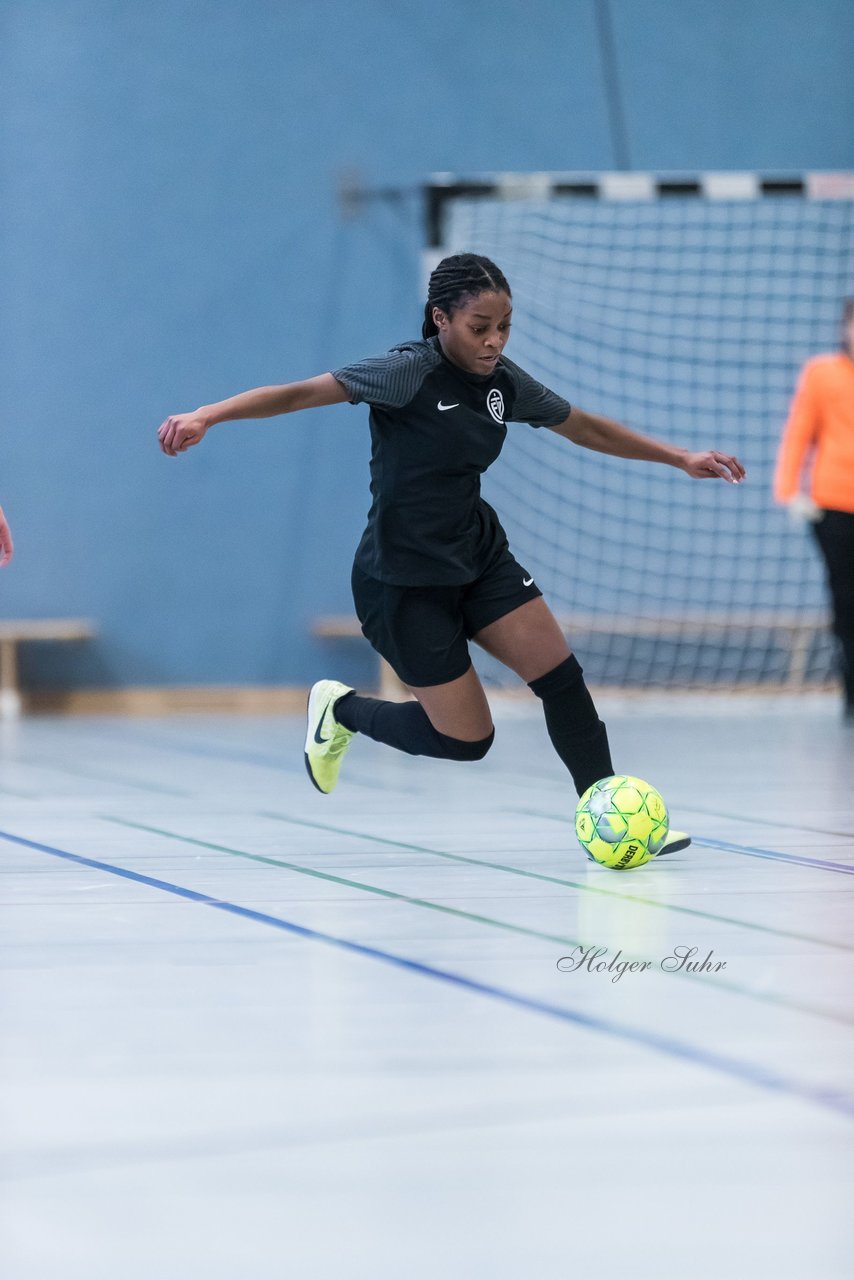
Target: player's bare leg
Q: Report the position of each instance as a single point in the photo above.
(458, 708)
(529, 640)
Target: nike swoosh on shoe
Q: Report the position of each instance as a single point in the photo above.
(322, 741)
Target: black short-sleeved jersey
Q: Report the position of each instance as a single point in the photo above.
(434, 431)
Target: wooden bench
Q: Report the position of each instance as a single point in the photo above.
(344, 627)
(18, 631)
(798, 630)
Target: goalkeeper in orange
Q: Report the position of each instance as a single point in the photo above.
(815, 473)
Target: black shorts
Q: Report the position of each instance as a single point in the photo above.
(423, 632)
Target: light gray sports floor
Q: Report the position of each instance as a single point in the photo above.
(248, 1030)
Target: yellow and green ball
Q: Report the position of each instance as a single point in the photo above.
(621, 822)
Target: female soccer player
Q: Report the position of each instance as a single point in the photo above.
(820, 431)
(433, 569)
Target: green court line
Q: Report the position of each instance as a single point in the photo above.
(96, 776)
(21, 795)
(223, 752)
(568, 884)
(522, 930)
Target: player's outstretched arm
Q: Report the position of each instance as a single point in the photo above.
(182, 430)
(606, 436)
(6, 547)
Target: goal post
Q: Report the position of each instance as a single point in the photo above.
(684, 306)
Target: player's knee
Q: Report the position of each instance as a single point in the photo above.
(457, 749)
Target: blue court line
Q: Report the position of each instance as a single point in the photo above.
(765, 822)
(257, 759)
(774, 854)
(707, 842)
(743, 1072)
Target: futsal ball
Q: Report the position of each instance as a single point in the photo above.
(621, 822)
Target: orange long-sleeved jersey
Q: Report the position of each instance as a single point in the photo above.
(821, 419)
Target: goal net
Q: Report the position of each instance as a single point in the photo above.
(684, 310)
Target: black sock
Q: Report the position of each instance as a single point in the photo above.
(406, 726)
(578, 735)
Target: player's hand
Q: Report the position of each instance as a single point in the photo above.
(6, 547)
(712, 465)
(178, 433)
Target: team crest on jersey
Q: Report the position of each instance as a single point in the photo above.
(495, 405)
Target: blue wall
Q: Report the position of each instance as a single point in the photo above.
(172, 236)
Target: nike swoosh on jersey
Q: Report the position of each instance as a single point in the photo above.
(526, 582)
(442, 407)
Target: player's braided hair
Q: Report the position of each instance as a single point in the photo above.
(455, 280)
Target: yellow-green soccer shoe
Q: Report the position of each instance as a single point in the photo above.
(326, 741)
